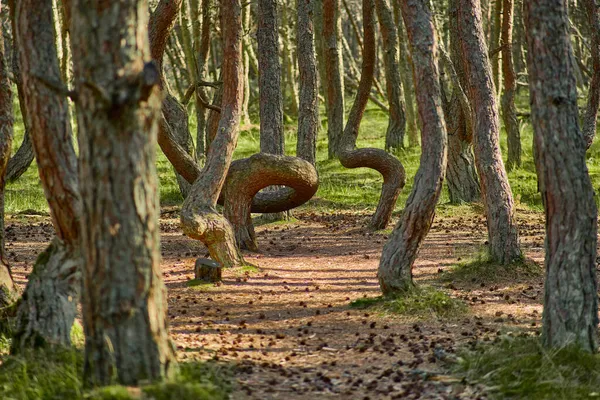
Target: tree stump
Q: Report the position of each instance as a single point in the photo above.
(207, 270)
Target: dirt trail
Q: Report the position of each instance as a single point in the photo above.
(288, 327)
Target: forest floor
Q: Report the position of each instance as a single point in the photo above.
(288, 326)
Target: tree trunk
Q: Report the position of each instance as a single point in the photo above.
(308, 113)
(387, 165)
(19, 163)
(117, 113)
(406, 74)
(271, 98)
(497, 196)
(48, 307)
(461, 175)
(202, 49)
(509, 111)
(494, 44)
(246, 54)
(334, 78)
(570, 301)
(7, 287)
(400, 252)
(199, 217)
(591, 112)
(394, 138)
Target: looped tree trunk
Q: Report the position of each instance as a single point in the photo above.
(387, 165)
(248, 176)
(21, 160)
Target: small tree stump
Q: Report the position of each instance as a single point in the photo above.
(207, 270)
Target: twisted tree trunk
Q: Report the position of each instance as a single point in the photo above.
(199, 217)
(118, 110)
(570, 299)
(49, 304)
(497, 196)
(400, 252)
(394, 137)
(590, 117)
(387, 165)
(509, 111)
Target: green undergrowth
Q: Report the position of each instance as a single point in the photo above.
(520, 368)
(422, 302)
(482, 269)
(57, 375)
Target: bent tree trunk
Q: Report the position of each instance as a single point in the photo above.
(387, 165)
(509, 112)
(19, 163)
(570, 292)
(394, 137)
(199, 217)
(117, 114)
(7, 287)
(592, 9)
(308, 112)
(248, 176)
(497, 196)
(48, 307)
(334, 75)
(400, 252)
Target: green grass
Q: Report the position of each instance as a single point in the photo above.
(422, 301)
(57, 375)
(521, 369)
(481, 269)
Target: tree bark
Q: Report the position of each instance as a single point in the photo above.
(334, 78)
(509, 111)
(570, 300)
(271, 98)
(19, 163)
(248, 176)
(117, 113)
(394, 137)
(461, 174)
(400, 252)
(7, 287)
(387, 165)
(199, 217)
(497, 196)
(590, 117)
(48, 307)
(406, 74)
(308, 113)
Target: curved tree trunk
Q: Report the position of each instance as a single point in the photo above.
(497, 196)
(19, 163)
(308, 113)
(117, 114)
(400, 252)
(394, 137)
(175, 115)
(509, 111)
(7, 287)
(387, 165)
(570, 300)
(199, 217)
(248, 176)
(590, 117)
(48, 307)
(461, 174)
(334, 79)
